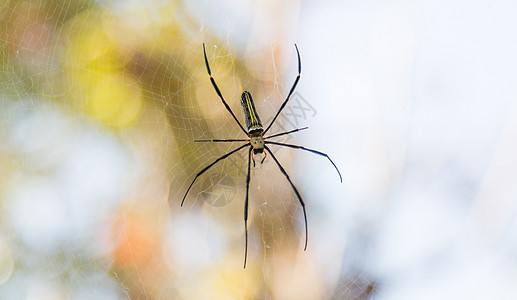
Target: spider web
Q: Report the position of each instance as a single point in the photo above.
(101, 102)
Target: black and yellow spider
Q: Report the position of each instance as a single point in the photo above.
(257, 143)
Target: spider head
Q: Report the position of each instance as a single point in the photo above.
(257, 142)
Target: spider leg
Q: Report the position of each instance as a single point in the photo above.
(284, 133)
(246, 208)
(310, 150)
(219, 92)
(295, 191)
(290, 92)
(265, 155)
(209, 166)
(218, 141)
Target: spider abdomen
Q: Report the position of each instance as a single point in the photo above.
(251, 117)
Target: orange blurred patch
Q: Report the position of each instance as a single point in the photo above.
(135, 238)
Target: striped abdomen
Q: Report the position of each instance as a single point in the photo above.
(253, 123)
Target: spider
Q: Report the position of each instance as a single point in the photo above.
(257, 142)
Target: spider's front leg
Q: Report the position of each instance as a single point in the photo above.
(264, 158)
(253, 158)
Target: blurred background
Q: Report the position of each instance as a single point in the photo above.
(100, 102)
